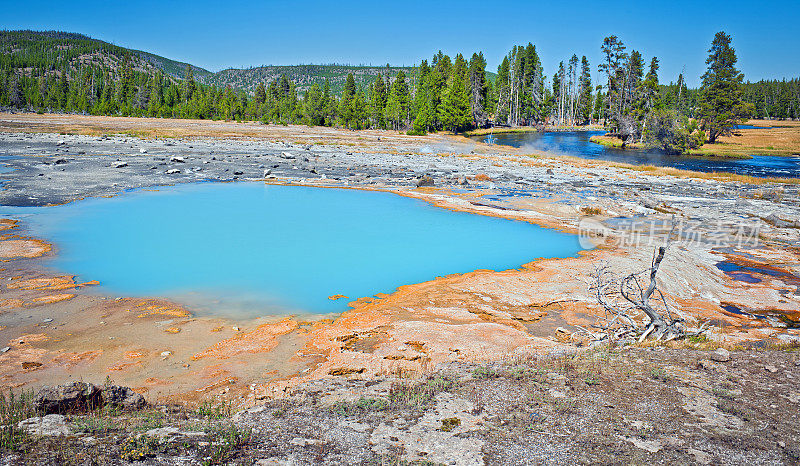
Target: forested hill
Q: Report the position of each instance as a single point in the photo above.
(304, 76)
(52, 51)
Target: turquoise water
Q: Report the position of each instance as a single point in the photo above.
(249, 249)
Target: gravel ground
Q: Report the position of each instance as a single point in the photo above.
(656, 405)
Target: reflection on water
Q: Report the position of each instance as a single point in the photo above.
(247, 249)
(576, 143)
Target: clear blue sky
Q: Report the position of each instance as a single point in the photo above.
(221, 34)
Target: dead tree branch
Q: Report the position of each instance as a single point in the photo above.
(633, 311)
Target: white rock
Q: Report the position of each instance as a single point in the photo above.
(171, 432)
(50, 425)
(721, 355)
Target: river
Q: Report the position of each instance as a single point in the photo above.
(576, 143)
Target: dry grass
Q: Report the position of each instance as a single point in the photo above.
(609, 141)
(716, 176)
(779, 138)
(482, 131)
(189, 129)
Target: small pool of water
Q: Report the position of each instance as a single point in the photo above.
(576, 143)
(249, 249)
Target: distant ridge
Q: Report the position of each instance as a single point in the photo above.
(304, 76)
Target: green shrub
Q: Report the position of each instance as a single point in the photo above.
(13, 409)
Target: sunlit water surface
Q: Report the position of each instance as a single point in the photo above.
(576, 143)
(248, 249)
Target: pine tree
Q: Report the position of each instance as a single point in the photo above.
(478, 88)
(377, 104)
(314, 106)
(358, 111)
(396, 111)
(721, 104)
(426, 99)
(454, 111)
(613, 67)
(346, 102)
(503, 91)
(188, 83)
(330, 102)
(585, 101)
(260, 94)
(15, 95)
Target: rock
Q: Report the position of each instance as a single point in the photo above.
(700, 456)
(177, 160)
(425, 181)
(781, 223)
(142, 151)
(120, 165)
(287, 155)
(168, 433)
(273, 462)
(462, 180)
(48, 426)
(122, 397)
(172, 171)
(771, 369)
(47, 320)
(304, 442)
(550, 171)
(76, 396)
(60, 161)
(82, 396)
(721, 355)
(652, 446)
(5, 349)
(166, 353)
(267, 173)
(238, 172)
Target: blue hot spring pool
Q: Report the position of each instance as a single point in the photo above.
(249, 249)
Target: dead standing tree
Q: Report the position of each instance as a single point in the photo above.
(633, 311)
